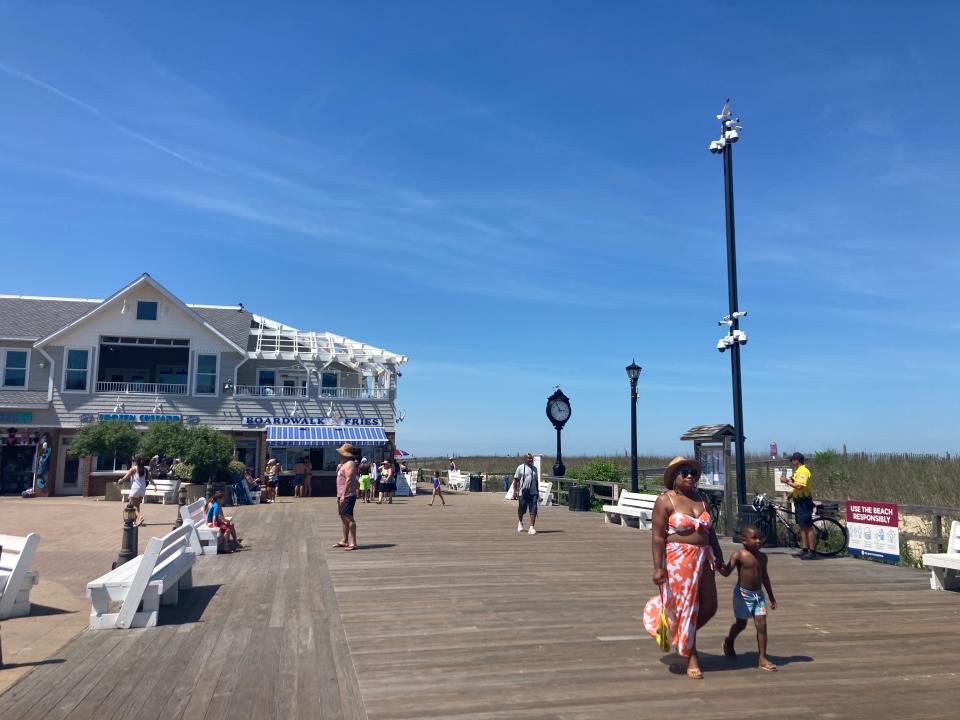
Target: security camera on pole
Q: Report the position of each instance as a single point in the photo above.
(729, 134)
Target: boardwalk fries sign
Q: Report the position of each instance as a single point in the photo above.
(874, 530)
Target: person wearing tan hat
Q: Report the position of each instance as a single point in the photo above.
(685, 552)
(348, 485)
(388, 482)
(272, 473)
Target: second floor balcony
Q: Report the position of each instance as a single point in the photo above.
(142, 388)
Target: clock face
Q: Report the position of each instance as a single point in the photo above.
(559, 410)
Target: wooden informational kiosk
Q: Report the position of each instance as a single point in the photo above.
(711, 448)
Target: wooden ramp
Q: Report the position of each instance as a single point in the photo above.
(448, 612)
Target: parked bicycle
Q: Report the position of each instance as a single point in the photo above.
(714, 505)
(776, 520)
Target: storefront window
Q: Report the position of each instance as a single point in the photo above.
(15, 368)
(206, 375)
(266, 378)
(76, 375)
(110, 464)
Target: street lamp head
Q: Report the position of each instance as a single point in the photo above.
(633, 371)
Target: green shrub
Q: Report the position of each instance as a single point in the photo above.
(165, 438)
(183, 472)
(209, 451)
(111, 438)
(599, 471)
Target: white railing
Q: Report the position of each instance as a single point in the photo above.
(271, 391)
(355, 393)
(142, 388)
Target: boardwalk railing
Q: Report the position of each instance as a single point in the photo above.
(651, 481)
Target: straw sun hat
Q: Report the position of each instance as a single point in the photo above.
(346, 450)
(670, 476)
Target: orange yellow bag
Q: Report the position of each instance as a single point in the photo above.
(662, 635)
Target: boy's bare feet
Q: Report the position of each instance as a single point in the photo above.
(767, 665)
(728, 650)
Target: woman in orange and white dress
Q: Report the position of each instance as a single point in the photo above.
(685, 553)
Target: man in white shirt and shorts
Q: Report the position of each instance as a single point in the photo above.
(526, 488)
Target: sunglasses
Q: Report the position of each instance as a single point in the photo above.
(689, 472)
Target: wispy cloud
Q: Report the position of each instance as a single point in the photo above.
(96, 112)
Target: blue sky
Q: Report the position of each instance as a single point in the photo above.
(518, 195)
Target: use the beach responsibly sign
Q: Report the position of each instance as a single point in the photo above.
(874, 530)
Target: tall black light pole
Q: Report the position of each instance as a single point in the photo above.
(633, 372)
(729, 134)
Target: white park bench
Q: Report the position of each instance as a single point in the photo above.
(944, 567)
(458, 480)
(209, 537)
(545, 490)
(16, 577)
(166, 490)
(152, 579)
(632, 505)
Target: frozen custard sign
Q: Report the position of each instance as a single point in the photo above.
(304, 420)
(874, 530)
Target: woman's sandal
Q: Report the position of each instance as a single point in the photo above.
(769, 667)
(695, 673)
(348, 548)
(340, 545)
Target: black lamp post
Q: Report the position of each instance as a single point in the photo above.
(633, 372)
(128, 544)
(181, 502)
(729, 134)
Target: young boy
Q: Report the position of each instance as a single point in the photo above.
(748, 601)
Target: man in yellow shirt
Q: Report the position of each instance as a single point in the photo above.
(803, 506)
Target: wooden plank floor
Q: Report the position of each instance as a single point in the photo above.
(450, 613)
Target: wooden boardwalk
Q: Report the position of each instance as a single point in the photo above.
(450, 613)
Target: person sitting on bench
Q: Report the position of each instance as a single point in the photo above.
(215, 518)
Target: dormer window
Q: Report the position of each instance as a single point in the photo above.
(146, 310)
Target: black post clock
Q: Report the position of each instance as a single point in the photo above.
(558, 412)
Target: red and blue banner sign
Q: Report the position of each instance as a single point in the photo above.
(874, 530)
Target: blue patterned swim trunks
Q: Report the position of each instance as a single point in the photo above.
(748, 603)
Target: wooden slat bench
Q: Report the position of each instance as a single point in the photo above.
(153, 579)
(632, 505)
(16, 577)
(945, 567)
(545, 490)
(166, 490)
(209, 537)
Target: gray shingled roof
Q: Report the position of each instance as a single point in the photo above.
(709, 432)
(19, 398)
(234, 324)
(35, 318)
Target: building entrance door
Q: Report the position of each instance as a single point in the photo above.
(246, 452)
(67, 481)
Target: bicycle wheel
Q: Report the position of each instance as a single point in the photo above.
(831, 537)
(767, 531)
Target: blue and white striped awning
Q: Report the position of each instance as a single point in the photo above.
(314, 436)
